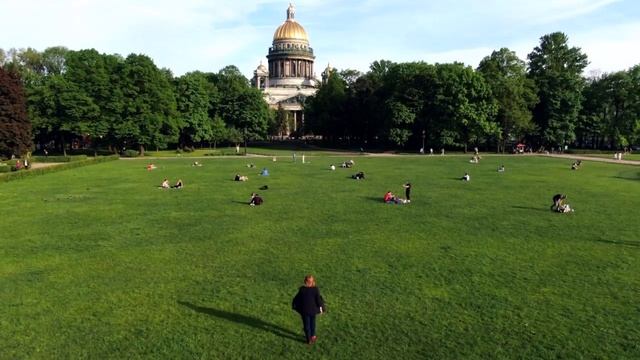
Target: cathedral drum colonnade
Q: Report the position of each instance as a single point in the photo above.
(290, 77)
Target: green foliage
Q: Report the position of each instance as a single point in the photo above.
(65, 166)
(58, 159)
(325, 110)
(218, 131)
(557, 71)
(149, 104)
(611, 110)
(514, 93)
(15, 127)
(193, 104)
(129, 153)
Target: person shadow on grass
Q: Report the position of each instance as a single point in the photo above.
(244, 320)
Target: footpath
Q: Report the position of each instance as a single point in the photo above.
(591, 158)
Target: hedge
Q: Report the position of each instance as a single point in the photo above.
(68, 165)
(58, 159)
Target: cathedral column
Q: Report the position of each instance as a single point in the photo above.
(295, 121)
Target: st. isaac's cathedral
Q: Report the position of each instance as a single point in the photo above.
(290, 77)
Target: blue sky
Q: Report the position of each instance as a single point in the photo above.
(206, 35)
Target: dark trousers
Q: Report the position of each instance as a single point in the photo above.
(309, 325)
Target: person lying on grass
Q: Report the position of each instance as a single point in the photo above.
(358, 176)
(256, 200)
(239, 177)
(178, 184)
(165, 184)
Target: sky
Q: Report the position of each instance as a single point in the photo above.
(206, 35)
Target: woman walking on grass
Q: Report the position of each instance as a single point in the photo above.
(308, 303)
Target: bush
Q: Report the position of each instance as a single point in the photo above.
(4, 168)
(58, 159)
(130, 153)
(68, 165)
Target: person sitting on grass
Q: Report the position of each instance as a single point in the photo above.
(264, 172)
(239, 177)
(390, 198)
(256, 200)
(332, 167)
(165, 184)
(475, 159)
(466, 177)
(358, 176)
(501, 169)
(559, 204)
(178, 184)
(251, 166)
(151, 167)
(196, 164)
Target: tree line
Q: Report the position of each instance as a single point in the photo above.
(114, 102)
(546, 101)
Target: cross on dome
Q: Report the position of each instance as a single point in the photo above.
(291, 12)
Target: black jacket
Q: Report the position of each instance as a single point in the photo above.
(308, 301)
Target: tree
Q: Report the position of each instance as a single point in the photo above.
(98, 76)
(401, 117)
(241, 105)
(324, 110)
(149, 117)
(556, 70)
(218, 131)
(15, 128)
(193, 102)
(280, 124)
(611, 110)
(513, 92)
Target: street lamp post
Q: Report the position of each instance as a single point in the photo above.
(424, 135)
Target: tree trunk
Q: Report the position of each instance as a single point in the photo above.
(64, 148)
(141, 150)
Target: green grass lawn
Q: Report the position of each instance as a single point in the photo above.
(252, 150)
(97, 262)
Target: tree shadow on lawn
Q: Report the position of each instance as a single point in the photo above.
(531, 208)
(376, 199)
(244, 320)
(621, 242)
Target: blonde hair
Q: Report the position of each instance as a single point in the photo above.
(309, 281)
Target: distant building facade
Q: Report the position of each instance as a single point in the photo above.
(290, 77)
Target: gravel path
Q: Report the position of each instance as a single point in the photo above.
(37, 165)
(589, 158)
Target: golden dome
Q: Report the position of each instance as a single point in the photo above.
(290, 30)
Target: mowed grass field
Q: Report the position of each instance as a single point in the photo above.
(99, 263)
